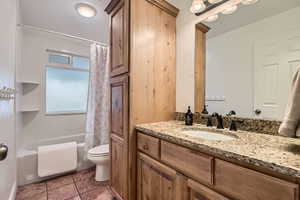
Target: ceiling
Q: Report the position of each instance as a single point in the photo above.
(244, 15)
(61, 16)
(58, 15)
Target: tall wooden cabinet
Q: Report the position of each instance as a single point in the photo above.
(143, 80)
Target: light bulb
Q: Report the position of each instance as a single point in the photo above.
(211, 18)
(249, 2)
(86, 10)
(230, 10)
(214, 1)
(197, 6)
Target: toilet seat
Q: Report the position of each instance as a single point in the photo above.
(98, 151)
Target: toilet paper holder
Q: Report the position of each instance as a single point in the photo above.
(7, 93)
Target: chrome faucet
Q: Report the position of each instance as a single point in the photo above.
(219, 120)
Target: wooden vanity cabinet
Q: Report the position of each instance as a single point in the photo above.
(205, 177)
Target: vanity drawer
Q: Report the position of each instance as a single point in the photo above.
(193, 164)
(148, 145)
(246, 184)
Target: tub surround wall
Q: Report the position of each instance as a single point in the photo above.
(28, 160)
(269, 127)
(37, 126)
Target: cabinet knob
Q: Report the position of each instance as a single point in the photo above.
(257, 112)
(146, 147)
(3, 151)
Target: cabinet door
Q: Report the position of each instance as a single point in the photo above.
(200, 192)
(119, 135)
(157, 181)
(118, 174)
(119, 38)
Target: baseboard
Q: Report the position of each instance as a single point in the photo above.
(13, 191)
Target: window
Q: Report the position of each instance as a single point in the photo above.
(67, 82)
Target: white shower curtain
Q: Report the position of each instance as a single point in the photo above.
(97, 121)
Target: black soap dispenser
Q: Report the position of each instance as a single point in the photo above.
(204, 111)
(189, 117)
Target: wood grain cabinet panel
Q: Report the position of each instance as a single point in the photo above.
(245, 184)
(119, 40)
(157, 181)
(200, 192)
(193, 164)
(119, 106)
(118, 174)
(140, 58)
(119, 135)
(149, 145)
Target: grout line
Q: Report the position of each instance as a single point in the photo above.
(76, 187)
(46, 190)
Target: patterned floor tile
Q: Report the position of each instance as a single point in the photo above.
(58, 182)
(32, 191)
(63, 193)
(89, 184)
(98, 194)
(64, 188)
(84, 174)
(75, 198)
(36, 197)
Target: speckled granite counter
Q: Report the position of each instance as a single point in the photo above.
(275, 153)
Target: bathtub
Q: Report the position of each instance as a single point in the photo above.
(27, 158)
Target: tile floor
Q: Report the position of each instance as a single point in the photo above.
(77, 186)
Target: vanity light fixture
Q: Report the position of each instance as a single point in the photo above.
(197, 6)
(86, 10)
(212, 18)
(200, 7)
(249, 2)
(230, 10)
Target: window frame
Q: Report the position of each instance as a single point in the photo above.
(62, 66)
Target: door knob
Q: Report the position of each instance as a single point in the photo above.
(3, 151)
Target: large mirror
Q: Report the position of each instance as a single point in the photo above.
(251, 56)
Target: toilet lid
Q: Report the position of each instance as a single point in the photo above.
(100, 150)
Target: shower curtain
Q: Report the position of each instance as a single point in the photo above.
(97, 121)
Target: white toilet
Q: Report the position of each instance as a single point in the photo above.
(100, 156)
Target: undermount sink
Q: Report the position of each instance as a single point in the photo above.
(208, 135)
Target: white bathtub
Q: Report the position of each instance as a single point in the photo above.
(27, 158)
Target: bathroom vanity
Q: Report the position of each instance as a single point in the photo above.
(174, 163)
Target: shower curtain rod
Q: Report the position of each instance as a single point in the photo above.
(59, 33)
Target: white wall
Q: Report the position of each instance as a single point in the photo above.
(229, 62)
(36, 126)
(185, 55)
(61, 16)
(8, 17)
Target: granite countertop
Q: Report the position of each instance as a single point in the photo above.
(279, 154)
